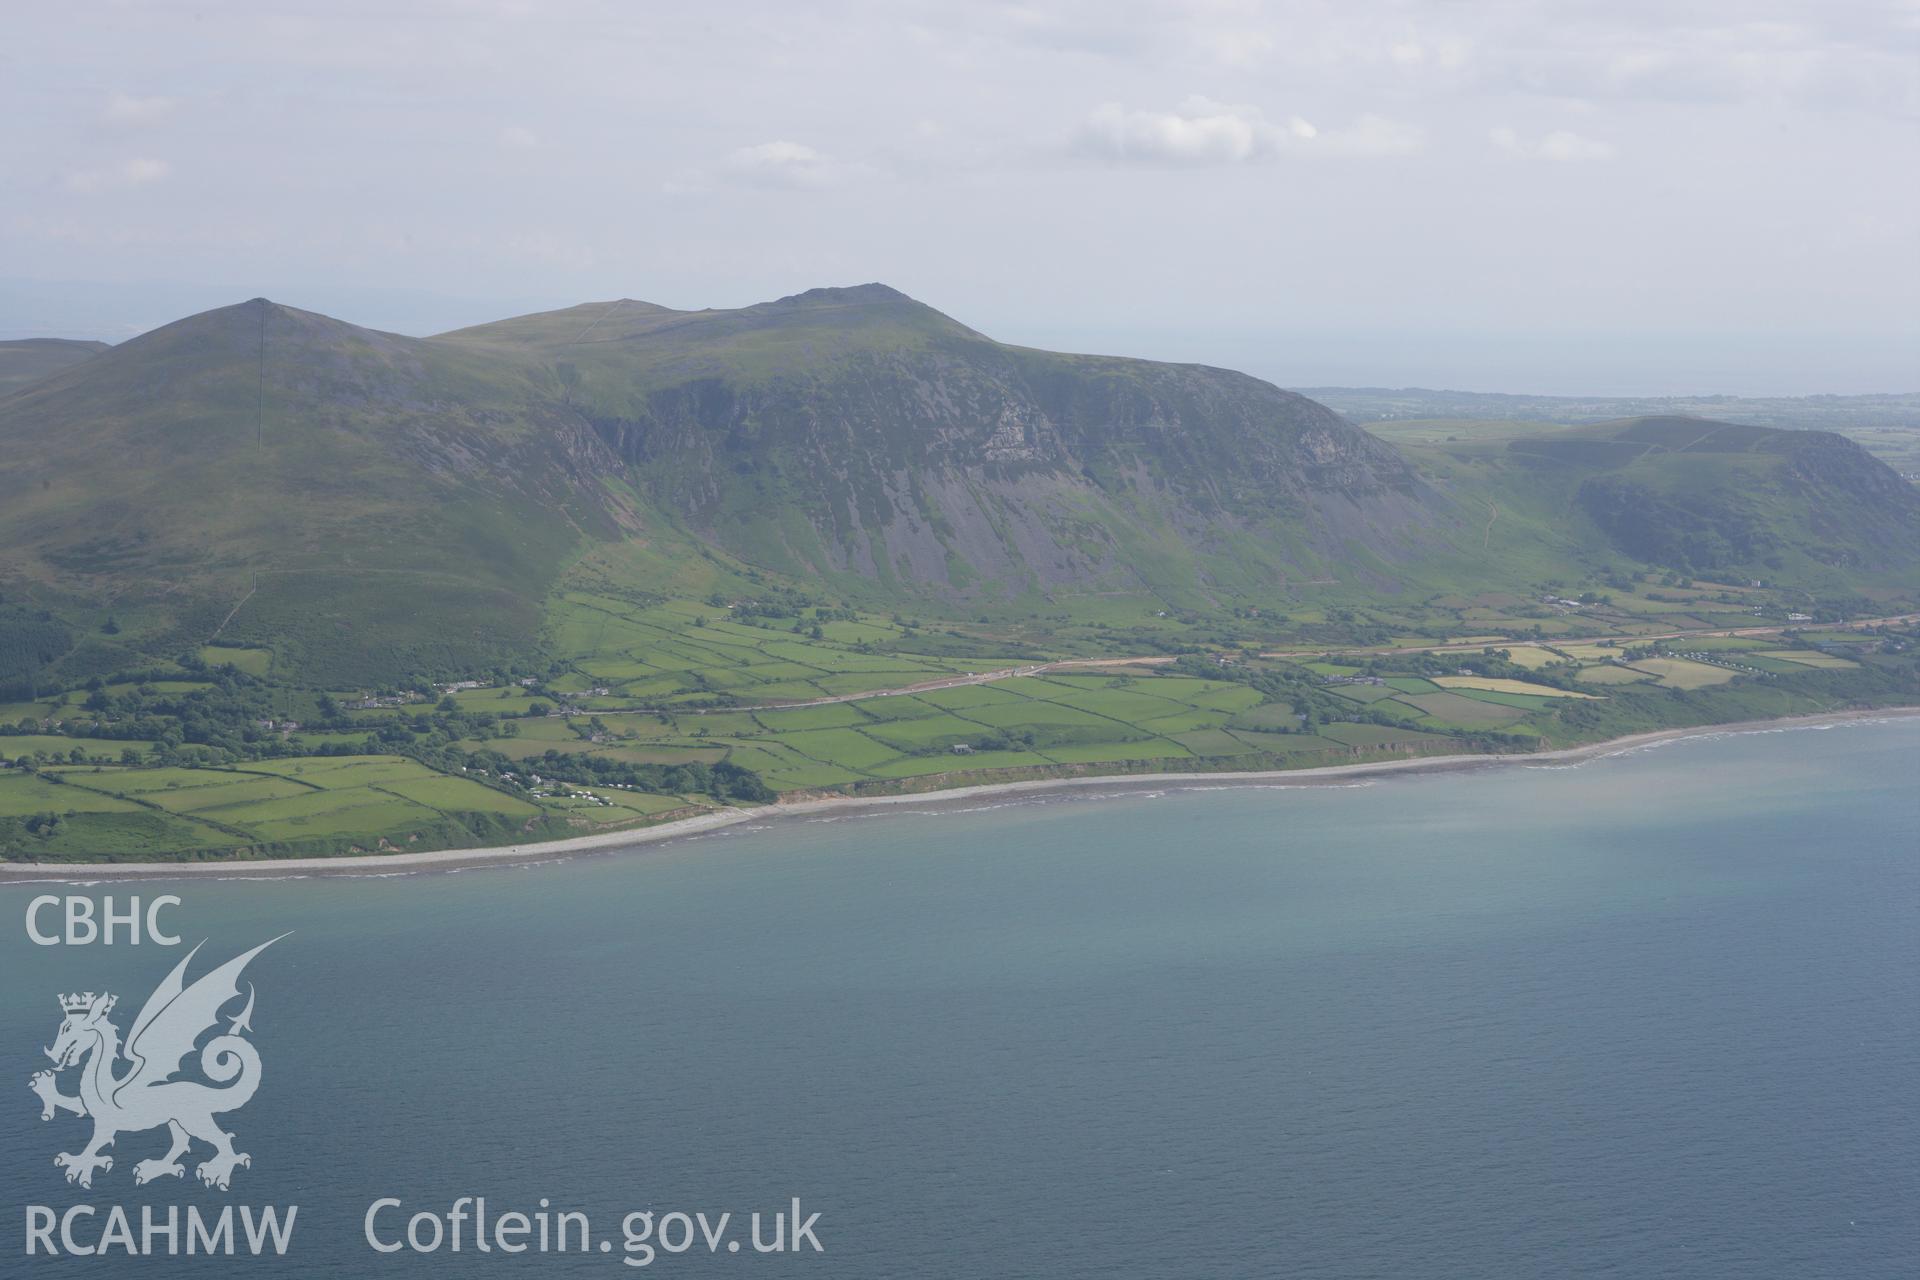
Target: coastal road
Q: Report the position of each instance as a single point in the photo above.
(929, 686)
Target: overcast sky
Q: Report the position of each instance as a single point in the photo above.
(1611, 197)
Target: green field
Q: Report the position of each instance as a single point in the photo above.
(678, 685)
(255, 662)
(1473, 684)
(305, 805)
(1373, 735)
(22, 794)
(1269, 717)
(1810, 658)
(212, 798)
(673, 652)
(1459, 709)
(1609, 674)
(1679, 673)
(1362, 693)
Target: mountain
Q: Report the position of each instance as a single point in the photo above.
(1826, 413)
(377, 502)
(861, 436)
(1887, 426)
(1707, 496)
(25, 360)
(368, 505)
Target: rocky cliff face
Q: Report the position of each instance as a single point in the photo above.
(921, 452)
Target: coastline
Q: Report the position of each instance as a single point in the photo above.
(614, 841)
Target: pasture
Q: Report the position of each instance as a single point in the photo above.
(1532, 656)
(1058, 719)
(1811, 658)
(1589, 652)
(1449, 708)
(676, 651)
(359, 798)
(1679, 673)
(1496, 685)
(255, 662)
(1610, 674)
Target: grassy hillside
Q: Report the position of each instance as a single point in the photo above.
(1389, 407)
(357, 502)
(25, 360)
(1804, 510)
(1887, 426)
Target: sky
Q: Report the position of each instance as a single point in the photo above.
(1589, 197)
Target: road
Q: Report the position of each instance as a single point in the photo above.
(929, 686)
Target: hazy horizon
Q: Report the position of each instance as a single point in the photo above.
(1613, 366)
(1590, 199)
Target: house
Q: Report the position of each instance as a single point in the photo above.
(962, 749)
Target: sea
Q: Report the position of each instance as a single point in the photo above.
(1654, 1014)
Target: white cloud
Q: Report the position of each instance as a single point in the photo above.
(127, 109)
(131, 173)
(1201, 132)
(519, 138)
(781, 163)
(1561, 145)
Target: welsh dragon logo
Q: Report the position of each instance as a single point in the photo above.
(146, 1095)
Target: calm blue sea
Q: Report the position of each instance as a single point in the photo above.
(1653, 1015)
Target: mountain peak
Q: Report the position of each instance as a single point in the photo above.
(567, 326)
(839, 295)
(867, 306)
(244, 325)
